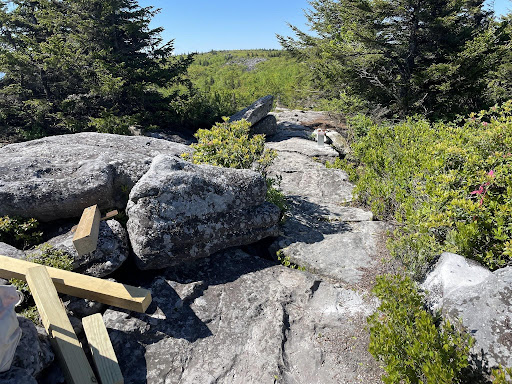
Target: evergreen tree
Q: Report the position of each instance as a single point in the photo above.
(73, 65)
(426, 56)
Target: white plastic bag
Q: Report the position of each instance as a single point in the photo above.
(10, 331)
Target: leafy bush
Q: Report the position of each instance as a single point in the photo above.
(502, 375)
(415, 346)
(19, 232)
(447, 186)
(230, 145)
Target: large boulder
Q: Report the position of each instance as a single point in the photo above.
(57, 177)
(233, 318)
(256, 111)
(267, 126)
(463, 289)
(111, 252)
(179, 211)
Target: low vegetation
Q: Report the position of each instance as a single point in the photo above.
(413, 345)
(446, 186)
(19, 232)
(230, 145)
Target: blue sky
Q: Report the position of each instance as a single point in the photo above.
(203, 25)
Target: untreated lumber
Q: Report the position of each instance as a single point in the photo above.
(102, 351)
(85, 239)
(73, 361)
(108, 216)
(87, 287)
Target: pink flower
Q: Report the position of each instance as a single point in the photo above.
(479, 191)
(485, 123)
(491, 173)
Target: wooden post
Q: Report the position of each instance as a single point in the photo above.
(85, 239)
(102, 351)
(75, 366)
(87, 287)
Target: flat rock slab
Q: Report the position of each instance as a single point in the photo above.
(233, 318)
(463, 289)
(256, 111)
(57, 177)
(304, 177)
(181, 211)
(339, 250)
(304, 147)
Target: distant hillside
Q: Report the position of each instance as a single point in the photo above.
(234, 79)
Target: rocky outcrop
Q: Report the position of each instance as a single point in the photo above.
(57, 177)
(10, 251)
(321, 233)
(463, 289)
(111, 252)
(180, 211)
(267, 126)
(256, 111)
(234, 318)
(34, 352)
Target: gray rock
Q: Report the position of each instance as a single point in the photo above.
(57, 177)
(339, 250)
(9, 251)
(339, 143)
(256, 111)
(110, 254)
(81, 307)
(17, 376)
(463, 289)
(233, 318)
(304, 147)
(267, 126)
(34, 352)
(304, 177)
(180, 211)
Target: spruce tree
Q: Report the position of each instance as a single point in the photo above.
(73, 65)
(412, 56)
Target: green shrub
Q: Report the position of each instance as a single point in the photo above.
(275, 196)
(414, 346)
(447, 186)
(230, 145)
(502, 375)
(19, 232)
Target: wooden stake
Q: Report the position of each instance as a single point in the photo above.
(102, 351)
(109, 215)
(56, 322)
(85, 239)
(87, 287)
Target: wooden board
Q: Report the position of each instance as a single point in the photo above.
(73, 361)
(87, 287)
(85, 239)
(102, 351)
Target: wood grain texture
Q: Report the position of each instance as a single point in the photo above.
(87, 287)
(102, 351)
(73, 361)
(85, 239)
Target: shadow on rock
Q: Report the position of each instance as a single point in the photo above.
(309, 222)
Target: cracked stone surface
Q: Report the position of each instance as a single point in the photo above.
(58, 176)
(235, 318)
(321, 232)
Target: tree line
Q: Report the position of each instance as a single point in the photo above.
(437, 58)
(74, 65)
